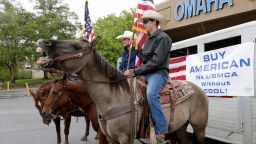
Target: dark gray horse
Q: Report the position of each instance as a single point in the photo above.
(111, 92)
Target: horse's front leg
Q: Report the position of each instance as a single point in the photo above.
(67, 126)
(57, 126)
(87, 120)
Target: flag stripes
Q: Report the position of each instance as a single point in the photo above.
(177, 68)
(88, 31)
(145, 7)
(142, 6)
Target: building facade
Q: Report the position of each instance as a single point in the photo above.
(190, 18)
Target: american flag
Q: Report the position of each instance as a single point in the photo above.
(88, 31)
(142, 6)
(177, 68)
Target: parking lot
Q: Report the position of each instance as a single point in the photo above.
(20, 122)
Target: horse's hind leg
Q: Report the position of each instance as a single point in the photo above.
(182, 134)
(87, 120)
(200, 135)
(67, 126)
(199, 130)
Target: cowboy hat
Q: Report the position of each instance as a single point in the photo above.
(149, 14)
(126, 34)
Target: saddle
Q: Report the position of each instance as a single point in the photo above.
(173, 93)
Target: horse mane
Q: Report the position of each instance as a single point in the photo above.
(117, 78)
(44, 87)
(71, 84)
(45, 84)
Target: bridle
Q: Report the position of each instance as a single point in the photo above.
(59, 93)
(61, 58)
(51, 109)
(86, 51)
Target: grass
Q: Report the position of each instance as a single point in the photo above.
(22, 82)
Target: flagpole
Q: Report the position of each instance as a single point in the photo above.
(132, 124)
(130, 51)
(84, 25)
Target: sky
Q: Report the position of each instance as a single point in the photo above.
(100, 8)
(97, 8)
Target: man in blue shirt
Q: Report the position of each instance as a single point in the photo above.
(126, 39)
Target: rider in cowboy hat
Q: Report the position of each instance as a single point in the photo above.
(155, 56)
(126, 39)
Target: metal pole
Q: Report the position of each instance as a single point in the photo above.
(8, 85)
(130, 51)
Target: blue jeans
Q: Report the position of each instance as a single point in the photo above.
(155, 84)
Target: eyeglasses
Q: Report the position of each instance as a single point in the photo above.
(145, 21)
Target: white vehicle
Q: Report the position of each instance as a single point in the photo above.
(231, 119)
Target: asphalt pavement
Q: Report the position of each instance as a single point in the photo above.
(20, 122)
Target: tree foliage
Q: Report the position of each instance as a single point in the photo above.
(108, 28)
(20, 29)
(55, 20)
(15, 43)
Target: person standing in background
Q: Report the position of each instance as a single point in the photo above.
(126, 39)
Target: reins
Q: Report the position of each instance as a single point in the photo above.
(61, 73)
(71, 56)
(77, 107)
(54, 105)
(107, 82)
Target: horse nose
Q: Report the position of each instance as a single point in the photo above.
(43, 113)
(47, 42)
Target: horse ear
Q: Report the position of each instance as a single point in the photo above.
(95, 41)
(31, 92)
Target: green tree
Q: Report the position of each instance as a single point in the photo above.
(20, 29)
(55, 21)
(108, 28)
(14, 43)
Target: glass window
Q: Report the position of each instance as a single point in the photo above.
(184, 51)
(222, 43)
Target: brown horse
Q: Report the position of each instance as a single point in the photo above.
(40, 97)
(63, 93)
(112, 93)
